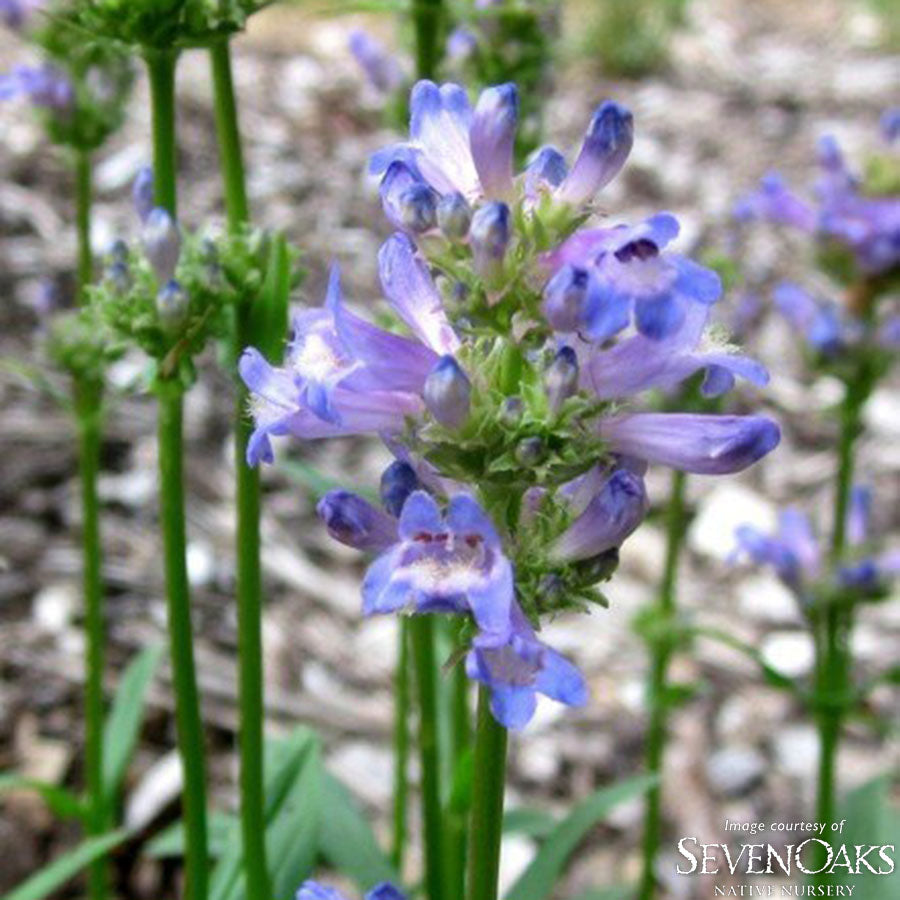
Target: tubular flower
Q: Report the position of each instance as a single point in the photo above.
(795, 555)
(868, 226)
(380, 67)
(342, 375)
(455, 148)
(452, 563)
(518, 668)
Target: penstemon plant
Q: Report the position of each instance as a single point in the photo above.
(79, 94)
(520, 454)
(854, 227)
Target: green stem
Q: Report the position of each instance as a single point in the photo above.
(88, 394)
(85, 269)
(251, 696)
(457, 817)
(187, 700)
(489, 777)
(401, 746)
(661, 653)
(427, 15)
(422, 637)
(161, 73)
(228, 131)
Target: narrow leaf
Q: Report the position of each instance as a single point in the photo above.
(57, 873)
(123, 724)
(534, 823)
(346, 840)
(269, 312)
(539, 879)
(171, 842)
(60, 801)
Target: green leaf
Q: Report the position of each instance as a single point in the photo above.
(57, 873)
(346, 839)
(171, 842)
(60, 801)
(534, 823)
(293, 779)
(123, 724)
(269, 312)
(539, 879)
(871, 818)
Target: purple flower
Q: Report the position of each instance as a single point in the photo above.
(444, 563)
(312, 890)
(454, 148)
(868, 226)
(819, 321)
(629, 276)
(14, 13)
(890, 124)
(447, 393)
(613, 513)
(489, 238)
(518, 667)
(44, 86)
(702, 444)
(793, 551)
(341, 374)
(640, 363)
(379, 66)
(354, 521)
(461, 44)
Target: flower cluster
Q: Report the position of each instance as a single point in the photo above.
(510, 404)
(78, 87)
(846, 215)
(798, 560)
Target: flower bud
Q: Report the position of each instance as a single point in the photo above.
(489, 237)
(161, 240)
(142, 193)
(551, 589)
(614, 512)
(530, 451)
(598, 568)
(546, 170)
(118, 277)
(398, 481)
(448, 393)
(454, 216)
(511, 411)
(417, 208)
(564, 298)
(172, 305)
(604, 151)
(561, 379)
(118, 252)
(354, 521)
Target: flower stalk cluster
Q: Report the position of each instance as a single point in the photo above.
(512, 402)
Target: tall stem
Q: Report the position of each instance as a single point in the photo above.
(423, 653)
(187, 701)
(661, 652)
(401, 746)
(489, 778)
(85, 267)
(88, 394)
(247, 490)
(457, 818)
(161, 72)
(427, 16)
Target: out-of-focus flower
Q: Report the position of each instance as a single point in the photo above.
(15, 13)
(313, 890)
(450, 563)
(44, 86)
(518, 668)
(380, 66)
(868, 226)
(161, 240)
(797, 558)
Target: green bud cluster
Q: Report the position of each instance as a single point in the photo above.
(79, 343)
(163, 24)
